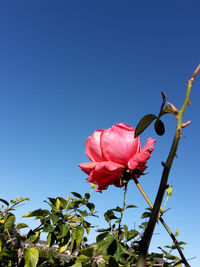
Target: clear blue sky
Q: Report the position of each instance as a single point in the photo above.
(68, 68)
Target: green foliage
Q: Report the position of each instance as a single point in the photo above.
(66, 229)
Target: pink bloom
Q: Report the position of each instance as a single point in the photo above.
(114, 153)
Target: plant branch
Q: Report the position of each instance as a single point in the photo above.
(162, 221)
(123, 207)
(146, 239)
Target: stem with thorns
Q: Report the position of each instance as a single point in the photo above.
(146, 239)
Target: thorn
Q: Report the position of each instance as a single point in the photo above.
(185, 124)
(173, 108)
(189, 103)
(163, 164)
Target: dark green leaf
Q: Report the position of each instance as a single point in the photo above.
(131, 206)
(63, 230)
(118, 209)
(37, 213)
(146, 214)
(51, 239)
(104, 244)
(90, 206)
(87, 196)
(144, 123)
(77, 195)
(88, 251)
(109, 215)
(103, 230)
(159, 127)
(112, 262)
(4, 201)
(101, 236)
(21, 225)
(48, 228)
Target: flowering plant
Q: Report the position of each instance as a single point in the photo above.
(116, 156)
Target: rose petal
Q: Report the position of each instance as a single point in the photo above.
(87, 167)
(141, 158)
(105, 174)
(118, 143)
(92, 146)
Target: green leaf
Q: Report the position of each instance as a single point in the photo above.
(104, 244)
(62, 248)
(146, 214)
(132, 234)
(4, 201)
(100, 237)
(37, 213)
(48, 228)
(21, 225)
(33, 236)
(103, 230)
(126, 232)
(79, 231)
(118, 209)
(177, 232)
(112, 262)
(88, 251)
(51, 239)
(131, 206)
(87, 196)
(64, 229)
(54, 218)
(90, 206)
(159, 127)
(31, 257)
(77, 264)
(144, 123)
(109, 215)
(77, 195)
(9, 221)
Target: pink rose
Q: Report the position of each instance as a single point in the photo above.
(116, 156)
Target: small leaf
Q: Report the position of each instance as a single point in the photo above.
(37, 213)
(146, 214)
(87, 196)
(21, 225)
(144, 123)
(131, 206)
(132, 234)
(31, 257)
(9, 221)
(77, 195)
(169, 191)
(177, 232)
(79, 231)
(4, 201)
(159, 127)
(101, 236)
(90, 206)
(62, 248)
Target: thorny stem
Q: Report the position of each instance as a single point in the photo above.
(123, 207)
(146, 239)
(162, 221)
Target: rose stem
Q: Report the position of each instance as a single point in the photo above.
(146, 238)
(162, 221)
(123, 208)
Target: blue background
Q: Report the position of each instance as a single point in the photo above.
(68, 68)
